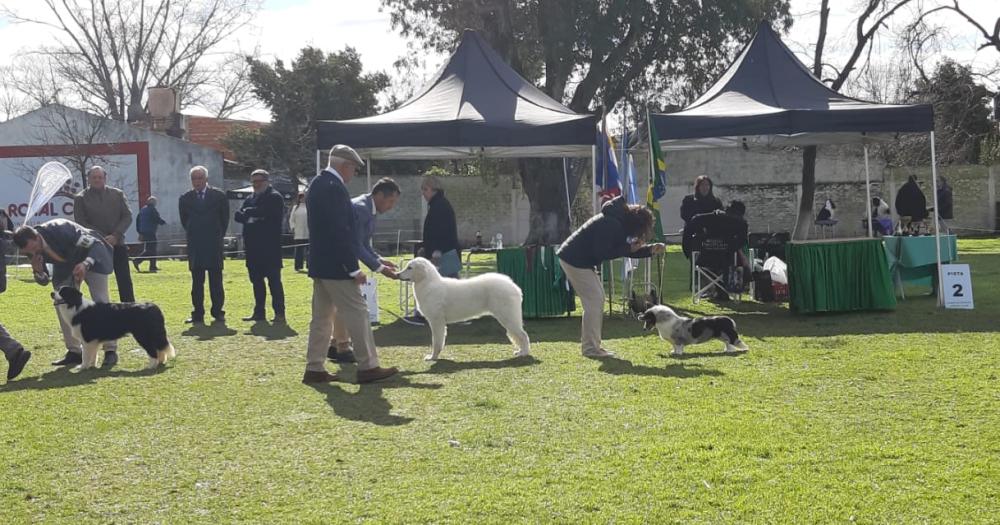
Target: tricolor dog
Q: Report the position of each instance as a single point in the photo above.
(682, 331)
(94, 323)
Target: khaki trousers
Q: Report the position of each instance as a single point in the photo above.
(343, 298)
(588, 286)
(341, 339)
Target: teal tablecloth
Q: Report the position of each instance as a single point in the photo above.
(912, 259)
(839, 276)
(536, 270)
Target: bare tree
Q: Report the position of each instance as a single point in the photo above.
(225, 89)
(873, 18)
(12, 101)
(111, 51)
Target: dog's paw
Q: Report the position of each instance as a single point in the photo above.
(522, 353)
(676, 354)
(430, 357)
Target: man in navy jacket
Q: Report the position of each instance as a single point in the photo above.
(333, 267)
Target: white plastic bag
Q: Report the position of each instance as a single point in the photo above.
(778, 269)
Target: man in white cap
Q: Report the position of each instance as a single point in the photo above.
(337, 278)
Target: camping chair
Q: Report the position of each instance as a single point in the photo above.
(706, 261)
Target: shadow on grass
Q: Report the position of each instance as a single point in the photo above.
(63, 378)
(693, 355)
(271, 332)
(620, 367)
(208, 332)
(447, 366)
(368, 405)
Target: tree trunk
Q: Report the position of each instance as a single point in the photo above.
(804, 220)
(543, 182)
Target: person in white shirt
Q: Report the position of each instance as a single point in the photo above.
(299, 223)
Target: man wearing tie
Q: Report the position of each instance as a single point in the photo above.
(333, 267)
(204, 215)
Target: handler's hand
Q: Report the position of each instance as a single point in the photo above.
(79, 272)
(360, 278)
(111, 239)
(389, 272)
(387, 262)
(658, 248)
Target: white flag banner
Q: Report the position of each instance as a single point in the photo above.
(50, 178)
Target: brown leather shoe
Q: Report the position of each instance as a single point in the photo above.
(311, 377)
(376, 374)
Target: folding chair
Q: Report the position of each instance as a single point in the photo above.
(705, 279)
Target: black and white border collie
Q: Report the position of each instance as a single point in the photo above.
(683, 331)
(94, 323)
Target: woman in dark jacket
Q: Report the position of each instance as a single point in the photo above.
(618, 231)
(703, 200)
(440, 235)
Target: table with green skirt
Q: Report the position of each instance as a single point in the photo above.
(536, 270)
(914, 259)
(839, 275)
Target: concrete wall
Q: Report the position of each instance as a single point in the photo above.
(490, 206)
(766, 180)
(169, 158)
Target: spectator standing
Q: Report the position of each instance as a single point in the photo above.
(299, 223)
(261, 215)
(204, 213)
(147, 222)
(102, 208)
(946, 209)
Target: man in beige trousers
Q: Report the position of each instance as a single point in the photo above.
(337, 278)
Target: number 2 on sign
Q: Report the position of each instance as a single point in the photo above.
(958, 290)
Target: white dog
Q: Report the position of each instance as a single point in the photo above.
(681, 331)
(443, 300)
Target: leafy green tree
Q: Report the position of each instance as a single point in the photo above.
(593, 53)
(316, 86)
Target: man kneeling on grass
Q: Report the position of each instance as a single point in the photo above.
(15, 353)
(76, 255)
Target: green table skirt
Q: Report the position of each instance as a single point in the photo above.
(537, 272)
(915, 259)
(839, 276)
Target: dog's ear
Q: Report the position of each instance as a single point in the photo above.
(72, 296)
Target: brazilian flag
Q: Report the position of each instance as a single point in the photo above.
(657, 177)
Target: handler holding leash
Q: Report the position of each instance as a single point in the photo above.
(76, 255)
(620, 230)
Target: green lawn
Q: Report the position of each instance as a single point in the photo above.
(868, 418)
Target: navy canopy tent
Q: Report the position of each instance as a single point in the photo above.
(475, 105)
(768, 96)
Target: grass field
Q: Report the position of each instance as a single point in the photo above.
(864, 418)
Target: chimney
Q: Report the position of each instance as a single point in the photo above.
(164, 112)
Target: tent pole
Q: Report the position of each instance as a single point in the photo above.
(569, 205)
(937, 226)
(593, 181)
(318, 155)
(868, 190)
(368, 164)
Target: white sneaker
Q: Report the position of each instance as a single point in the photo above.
(600, 352)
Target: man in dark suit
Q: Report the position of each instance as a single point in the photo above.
(333, 267)
(261, 215)
(204, 215)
